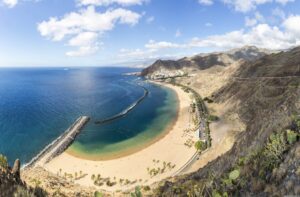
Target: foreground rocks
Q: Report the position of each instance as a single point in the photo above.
(12, 185)
(16, 168)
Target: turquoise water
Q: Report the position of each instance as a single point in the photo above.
(141, 126)
(37, 105)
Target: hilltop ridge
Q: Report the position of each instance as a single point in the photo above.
(174, 68)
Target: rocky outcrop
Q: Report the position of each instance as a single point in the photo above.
(11, 183)
(16, 168)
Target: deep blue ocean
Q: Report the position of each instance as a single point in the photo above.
(37, 105)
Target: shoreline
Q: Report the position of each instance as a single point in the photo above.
(131, 150)
(136, 168)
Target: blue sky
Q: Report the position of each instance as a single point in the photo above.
(136, 32)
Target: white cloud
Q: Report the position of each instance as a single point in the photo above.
(161, 45)
(249, 22)
(258, 18)
(86, 42)
(245, 5)
(83, 51)
(135, 53)
(291, 24)
(84, 39)
(206, 2)
(86, 20)
(208, 24)
(13, 3)
(109, 2)
(248, 5)
(261, 35)
(283, 2)
(145, 55)
(279, 13)
(178, 33)
(150, 19)
(85, 26)
(10, 3)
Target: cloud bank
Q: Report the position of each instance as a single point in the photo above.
(84, 27)
(261, 35)
(110, 2)
(10, 3)
(244, 5)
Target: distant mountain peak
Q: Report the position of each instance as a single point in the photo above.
(167, 68)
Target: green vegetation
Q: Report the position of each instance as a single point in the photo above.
(160, 169)
(137, 192)
(146, 188)
(3, 161)
(189, 143)
(193, 107)
(98, 194)
(208, 137)
(200, 146)
(212, 118)
(258, 166)
(233, 175)
(291, 136)
(273, 152)
(23, 192)
(36, 182)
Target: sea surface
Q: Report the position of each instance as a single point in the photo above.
(37, 105)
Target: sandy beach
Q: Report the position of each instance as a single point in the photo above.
(168, 153)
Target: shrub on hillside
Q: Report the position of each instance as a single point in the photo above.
(212, 118)
(291, 136)
(3, 161)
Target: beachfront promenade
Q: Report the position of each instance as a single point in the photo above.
(59, 145)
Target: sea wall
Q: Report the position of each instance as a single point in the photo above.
(60, 144)
(127, 110)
